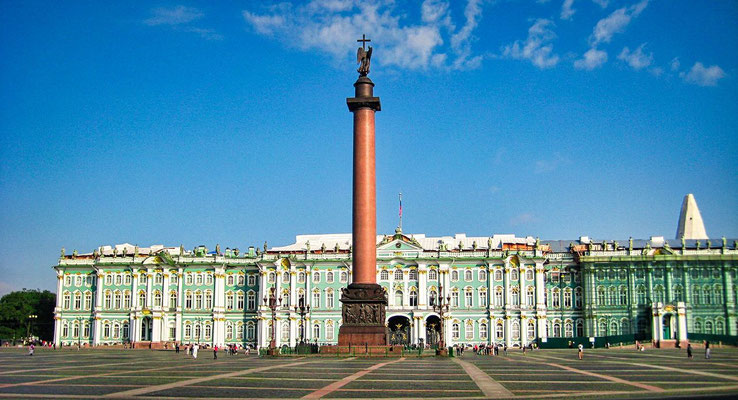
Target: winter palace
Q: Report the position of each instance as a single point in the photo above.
(501, 289)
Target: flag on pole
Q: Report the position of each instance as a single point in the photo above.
(400, 205)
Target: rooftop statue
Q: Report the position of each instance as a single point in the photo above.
(363, 56)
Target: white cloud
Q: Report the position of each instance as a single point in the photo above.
(566, 9)
(173, 16)
(332, 26)
(209, 34)
(537, 46)
(601, 3)
(590, 60)
(699, 75)
(615, 23)
(636, 59)
(675, 64)
(550, 165)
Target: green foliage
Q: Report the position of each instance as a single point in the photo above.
(15, 308)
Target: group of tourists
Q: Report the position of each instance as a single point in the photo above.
(193, 348)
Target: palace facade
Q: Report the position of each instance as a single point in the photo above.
(501, 289)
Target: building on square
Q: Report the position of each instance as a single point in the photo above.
(502, 289)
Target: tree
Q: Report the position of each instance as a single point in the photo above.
(15, 309)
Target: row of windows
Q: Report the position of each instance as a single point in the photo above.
(658, 273)
(619, 296)
(79, 280)
(284, 331)
(78, 330)
(239, 280)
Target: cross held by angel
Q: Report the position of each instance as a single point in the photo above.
(363, 56)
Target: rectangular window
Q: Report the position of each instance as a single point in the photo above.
(252, 280)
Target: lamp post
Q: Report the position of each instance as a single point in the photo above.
(442, 308)
(303, 310)
(79, 332)
(273, 303)
(31, 318)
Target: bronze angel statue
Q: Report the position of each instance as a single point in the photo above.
(363, 57)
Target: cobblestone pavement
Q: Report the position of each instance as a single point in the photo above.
(614, 373)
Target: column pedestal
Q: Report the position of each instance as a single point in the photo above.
(364, 307)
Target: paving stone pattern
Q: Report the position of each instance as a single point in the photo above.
(614, 373)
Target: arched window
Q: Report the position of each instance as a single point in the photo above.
(172, 330)
(613, 328)
(708, 327)
(578, 297)
(482, 275)
(499, 331)
(344, 277)
(229, 282)
(198, 279)
(556, 298)
(602, 328)
(433, 274)
(613, 298)
(498, 296)
(118, 299)
(515, 330)
(413, 275)
(531, 330)
(698, 326)
(77, 300)
(142, 299)
(718, 294)
(454, 275)
(198, 332)
(678, 293)
(432, 297)
(108, 299)
(316, 277)
(483, 331)
(126, 330)
(398, 274)
(241, 280)
(75, 329)
(187, 330)
(188, 300)
(600, 295)
(316, 331)
(413, 298)
(398, 298)
(469, 330)
(239, 301)
(285, 331)
(172, 299)
(568, 329)
(529, 274)
(108, 280)
(530, 297)
(188, 279)
(157, 299)
(208, 300)
(658, 293)
(567, 298)
(88, 300)
(516, 296)
(468, 298)
(158, 278)
(229, 301)
(127, 299)
(384, 275)
(329, 277)
(285, 277)
(580, 328)
(482, 297)
(116, 330)
(514, 275)
(623, 296)
(316, 298)
(455, 334)
(329, 298)
(624, 327)
(250, 331)
(208, 331)
(556, 328)
(301, 277)
(118, 280)
(251, 300)
(641, 294)
(329, 330)
(455, 298)
(468, 275)
(498, 275)
(209, 279)
(719, 327)
(696, 294)
(198, 300)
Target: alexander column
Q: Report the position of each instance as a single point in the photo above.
(364, 301)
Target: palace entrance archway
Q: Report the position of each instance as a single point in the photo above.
(399, 327)
(433, 330)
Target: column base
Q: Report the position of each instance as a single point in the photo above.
(364, 308)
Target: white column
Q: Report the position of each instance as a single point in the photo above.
(391, 289)
(293, 287)
(421, 329)
(540, 287)
(681, 322)
(156, 329)
(657, 324)
(506, 282)
(59, 289)
(508, 331)
(97, 332)
(165, 290)
(180, 294)
(134, 293)
(422, 285)
(448, 339)
(293, 330)
(178, 326)
(57, 329)
(149, 286)
(523, 331)
(219, 289)
(541, 327)
(405, 288)
(99, 291)
(262, 287)
(308, 329)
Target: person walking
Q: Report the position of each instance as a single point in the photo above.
(31, 348)
(689, 350)
(215, 352)
(580, 351)
(707, 349)
(195, 347)
(176, 348)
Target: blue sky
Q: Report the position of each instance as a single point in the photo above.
(199, 123)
